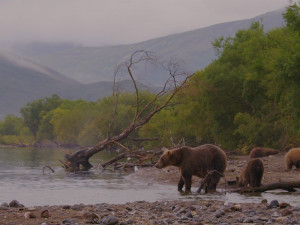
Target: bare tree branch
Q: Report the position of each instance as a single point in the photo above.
(176, 82)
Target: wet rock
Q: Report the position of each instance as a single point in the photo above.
(188, 215)
(15, 204)
(264, 201)
(275, 214)
(248, 220)
(3, 208)
(29, 215)
(282, 220)
(77, 207)
(273, 204)
(219, 213)
(284, 205)
(286, 212)
(89, 215)
(109, 220)
(5, 205)
(66, 207)
(128, 222)
(45, 213)
(236, 207)
(69, 222)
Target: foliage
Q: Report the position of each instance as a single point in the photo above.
(248, 97)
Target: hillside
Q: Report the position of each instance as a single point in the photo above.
(22, 81)
(94, 64)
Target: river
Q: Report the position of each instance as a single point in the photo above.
(21, 178)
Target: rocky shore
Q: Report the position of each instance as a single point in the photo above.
(142, 212)
(167, 212)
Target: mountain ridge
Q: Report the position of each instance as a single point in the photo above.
(93, 64)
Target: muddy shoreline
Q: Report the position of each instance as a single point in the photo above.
(168, 212)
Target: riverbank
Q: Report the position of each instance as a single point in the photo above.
(164, 212)
(189, 211)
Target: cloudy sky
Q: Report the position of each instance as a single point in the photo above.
(109, 22)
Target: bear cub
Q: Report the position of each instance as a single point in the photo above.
(251, 174)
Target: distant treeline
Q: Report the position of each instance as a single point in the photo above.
(249, 96)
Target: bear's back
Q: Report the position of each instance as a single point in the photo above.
(211, 156)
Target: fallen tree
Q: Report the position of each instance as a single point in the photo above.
(177, 78)
(289, 186)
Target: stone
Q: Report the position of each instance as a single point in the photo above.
(284, 205)
(5, 205)
(248, 220)
(15, 204)
(273, 204)
(282, 220)
(45, 213)
(66, 207)
(286, 212)
(236, 207)
(29, 215)
(109, 220)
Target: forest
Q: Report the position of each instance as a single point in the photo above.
(249, 96)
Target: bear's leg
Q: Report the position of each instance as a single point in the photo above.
(187, 182)
(180, 184)
(298, 165)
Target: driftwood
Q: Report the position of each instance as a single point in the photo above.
(284, 185)
(49, 167)
(142, 160)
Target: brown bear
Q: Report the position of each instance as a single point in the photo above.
(292, 158)
(195, 161)
(259, 152)
(251, 174)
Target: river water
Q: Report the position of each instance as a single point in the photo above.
(21, 178)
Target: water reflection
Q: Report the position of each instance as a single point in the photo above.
(21, 178)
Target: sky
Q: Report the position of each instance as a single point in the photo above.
(113, 22)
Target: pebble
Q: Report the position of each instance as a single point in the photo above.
(160, 213)
(273, 204)
(109, 220)
(29, 215)
(284, 205)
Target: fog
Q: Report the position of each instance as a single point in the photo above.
(111, 22)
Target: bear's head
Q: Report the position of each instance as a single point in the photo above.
(168, 158)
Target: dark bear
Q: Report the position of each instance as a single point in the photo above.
(251, 174)
(259, 152)
(196, 161)
(292, 158)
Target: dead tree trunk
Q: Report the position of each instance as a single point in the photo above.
(80, 159)
(284, 185)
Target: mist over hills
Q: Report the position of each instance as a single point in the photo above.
(94, 64)
(87, 72)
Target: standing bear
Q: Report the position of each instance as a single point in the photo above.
(292, 158)
(196, 161)
(251, 174)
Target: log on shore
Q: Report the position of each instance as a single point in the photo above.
(289, 186)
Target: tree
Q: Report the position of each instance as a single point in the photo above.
(32, 113)
(142, 111)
